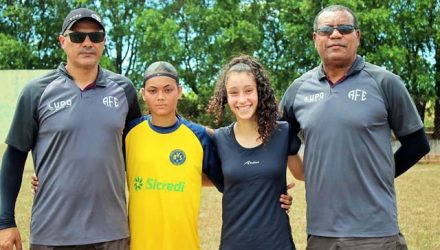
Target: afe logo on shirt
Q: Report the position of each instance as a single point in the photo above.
(110, 101)
(55, 106)
(357, 95)
(177, 157)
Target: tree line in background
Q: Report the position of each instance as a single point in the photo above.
(198, 37)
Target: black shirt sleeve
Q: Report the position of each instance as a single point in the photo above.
(212, 164)
(11, 174)
(414, 147)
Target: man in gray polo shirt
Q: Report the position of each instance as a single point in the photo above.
(346, 109)
(72, 120)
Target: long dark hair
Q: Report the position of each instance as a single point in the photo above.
(266, 112)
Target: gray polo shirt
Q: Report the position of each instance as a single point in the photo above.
(76, 142)
(348, 160)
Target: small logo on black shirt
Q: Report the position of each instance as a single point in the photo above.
(250, 163)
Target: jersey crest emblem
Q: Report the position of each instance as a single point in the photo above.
(177, 157)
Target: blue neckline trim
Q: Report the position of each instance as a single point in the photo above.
(164, 130)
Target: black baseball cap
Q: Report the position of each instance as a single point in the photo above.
(80, 14)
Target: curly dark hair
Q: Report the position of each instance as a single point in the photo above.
(267, 111)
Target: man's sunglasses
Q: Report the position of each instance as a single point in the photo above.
(343, 29)
(79, 37)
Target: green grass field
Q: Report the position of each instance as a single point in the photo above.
(418, 196)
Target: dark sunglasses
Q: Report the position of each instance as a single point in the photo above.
(79, 37)
(344, 29)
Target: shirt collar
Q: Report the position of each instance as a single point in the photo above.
(164, 130)
(357, 66)
(100, 80)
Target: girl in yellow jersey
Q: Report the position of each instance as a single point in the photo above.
(165, 157)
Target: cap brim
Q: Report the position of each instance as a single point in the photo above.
(83, 18)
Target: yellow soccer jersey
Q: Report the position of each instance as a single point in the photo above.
(164, 167)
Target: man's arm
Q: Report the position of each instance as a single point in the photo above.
(11, 174)
(414, 147)
(206, 182)
(295, 165)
